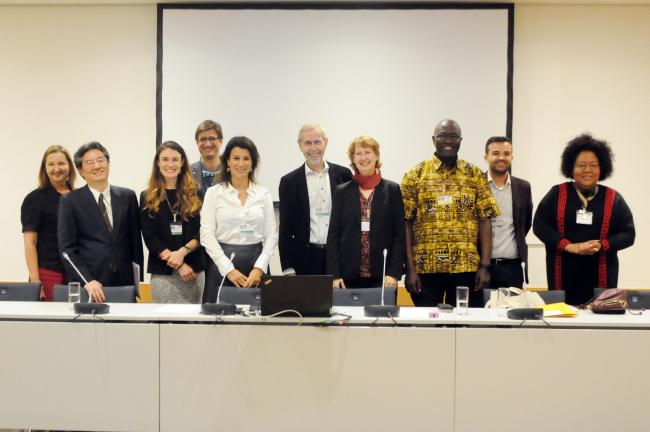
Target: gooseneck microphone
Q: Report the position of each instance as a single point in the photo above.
(90, 307)
(217, 308)
(527, 313)
(382, 310)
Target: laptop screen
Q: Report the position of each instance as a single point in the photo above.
(311, 296)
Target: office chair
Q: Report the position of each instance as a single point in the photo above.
(363, 296)
(114, 294)
(244, 296)
(20, 291)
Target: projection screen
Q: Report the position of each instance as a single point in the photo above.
(389, 71)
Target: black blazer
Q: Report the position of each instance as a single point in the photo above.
(294, 214)
(522, 215)
(96, 252)
(157, 236)
(386, 231)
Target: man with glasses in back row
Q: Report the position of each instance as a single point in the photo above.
(209, 137)
(448, 208)
(99, 226)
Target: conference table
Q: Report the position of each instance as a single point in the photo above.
(149, 367)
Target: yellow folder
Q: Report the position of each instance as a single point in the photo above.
(556, 310)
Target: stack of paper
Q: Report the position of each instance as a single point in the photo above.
(561, 309)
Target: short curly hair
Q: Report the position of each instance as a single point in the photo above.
(586, 142)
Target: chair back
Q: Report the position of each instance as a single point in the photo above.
(113, 294)
(363, 296)
(637, 299)
(20, 291)
(243, 296)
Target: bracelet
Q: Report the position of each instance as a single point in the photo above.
(484, 266)
(187, 249)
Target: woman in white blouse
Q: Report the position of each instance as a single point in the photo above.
(238, 217)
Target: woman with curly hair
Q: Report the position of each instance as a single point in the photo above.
(170, 217)
(582, 223)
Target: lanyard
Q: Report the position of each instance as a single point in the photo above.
(174, 213)
(585, 200)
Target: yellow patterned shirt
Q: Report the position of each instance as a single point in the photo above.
(445, 206)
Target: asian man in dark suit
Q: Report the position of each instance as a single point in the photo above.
(509, 230)
(99, 226)
(305, 205)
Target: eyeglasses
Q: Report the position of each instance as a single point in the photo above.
(92, 162)
(447, 137)
(584, 166)
(315, 142)
(208, 139)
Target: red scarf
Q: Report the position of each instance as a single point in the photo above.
(368, 182)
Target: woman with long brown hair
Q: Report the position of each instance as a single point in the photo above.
(170, 218)
(39, 215)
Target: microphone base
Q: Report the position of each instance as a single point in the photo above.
(218, 309)
(526, 313)
(91, 308)
(387, 311)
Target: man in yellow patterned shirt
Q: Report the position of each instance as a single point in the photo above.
(448, 205)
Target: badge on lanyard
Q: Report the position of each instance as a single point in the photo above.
(176, 228)
(245, 228)
(365, 225)
(445, 200)
(584, 217)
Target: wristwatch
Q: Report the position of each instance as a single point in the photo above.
(484, 266)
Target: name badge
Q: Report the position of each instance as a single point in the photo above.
(365, 225)
(176, 228)
(497, 222)
(245, 228)
(322, 212)
(584, 217)
(445, 200)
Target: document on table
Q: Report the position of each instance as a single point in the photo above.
(557, 310)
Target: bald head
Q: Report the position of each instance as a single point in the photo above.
(446, 125)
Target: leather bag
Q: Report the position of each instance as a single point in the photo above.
(610, 301)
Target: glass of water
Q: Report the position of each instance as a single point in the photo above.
(502, 301)
(462, 300)
(74, 292)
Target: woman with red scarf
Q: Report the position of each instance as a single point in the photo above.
(367, 218)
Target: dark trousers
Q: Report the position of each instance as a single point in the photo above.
(436, 286)
(315, 262)
(506, 273)
(245, 257)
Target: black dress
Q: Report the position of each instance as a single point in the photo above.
(578, 275)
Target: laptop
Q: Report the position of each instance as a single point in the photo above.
(311, 296)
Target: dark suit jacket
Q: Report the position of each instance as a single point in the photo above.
(522, 214)
(96, 252)
(386, 231)
(294, 214)
(198, 178)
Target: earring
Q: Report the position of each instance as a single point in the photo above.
(228, 169)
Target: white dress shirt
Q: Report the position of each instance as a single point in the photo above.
(320, 203)
(224, 219)
(504, 244)
(107, 200)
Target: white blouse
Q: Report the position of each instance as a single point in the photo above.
(224, 219)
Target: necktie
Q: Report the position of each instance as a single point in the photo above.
(102, 208)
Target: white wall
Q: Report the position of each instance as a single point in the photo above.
(577, 69)
(69, 74)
